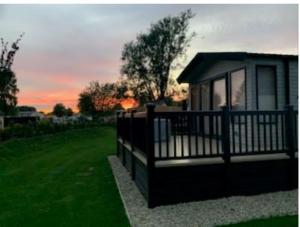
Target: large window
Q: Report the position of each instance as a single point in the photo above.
(238, 90)
(219, 93)
(266, 87)
(205, 97)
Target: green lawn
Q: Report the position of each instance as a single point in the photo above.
(286, 221)
(60, 180)
(65, 180)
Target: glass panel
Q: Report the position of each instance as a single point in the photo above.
(266, 88)
(205, 96)
(238, 95)
(219, 93)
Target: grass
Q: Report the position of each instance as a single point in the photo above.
(60, 180)
(285, 221)
(65, 180)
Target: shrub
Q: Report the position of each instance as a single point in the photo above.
(42, 127)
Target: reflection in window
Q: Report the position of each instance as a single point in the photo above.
(205, 96)
(266, 88)
(238, 96)
(194, 98)
(219, 93)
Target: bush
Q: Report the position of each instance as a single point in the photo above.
(42, 127)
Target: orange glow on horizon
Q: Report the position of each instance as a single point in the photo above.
(129, 103)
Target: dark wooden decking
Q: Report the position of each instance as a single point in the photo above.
(178, 161)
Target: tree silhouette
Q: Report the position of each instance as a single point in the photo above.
(99, 98)
(59, 110)
(148, 60)
(8, 80)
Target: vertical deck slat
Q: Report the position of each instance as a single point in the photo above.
(159, 137)
(258, 132)
(189, 125)
(265, 132)
(271, 132)
(233, 136)
(246, 131)
(203, 135)
(282, 132)
(211, 129)
(240, 134)
(217, 134)
(182, 137)
(175, 123)
(196, 134)
(252, 133)
(296, 128)
(276, 132)
(167, 136)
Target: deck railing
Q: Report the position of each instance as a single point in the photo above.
(200, 134)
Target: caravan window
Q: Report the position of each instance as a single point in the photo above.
(266, 87)
(205, 91)
(219, 93)
(238, 90)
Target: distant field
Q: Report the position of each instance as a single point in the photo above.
(60, 180)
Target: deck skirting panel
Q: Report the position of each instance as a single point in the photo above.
(192, 183)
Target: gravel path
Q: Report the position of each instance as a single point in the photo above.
(202, 213)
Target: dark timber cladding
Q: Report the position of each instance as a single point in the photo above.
(194, 155)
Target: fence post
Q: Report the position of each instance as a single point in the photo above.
(131, 144)
(150, 150)
(290, 131)
(226, 133)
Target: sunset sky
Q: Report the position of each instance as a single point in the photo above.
(67, 46)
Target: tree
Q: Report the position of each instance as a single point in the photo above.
(98, 98)
(8, 80)
(26, 108)
(69, 112)
(148, 60)
(85, 104)
(59, 110)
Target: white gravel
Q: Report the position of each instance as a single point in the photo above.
(202, 213)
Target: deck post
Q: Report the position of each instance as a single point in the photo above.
(150, 150)
(118, 131)
(123, 140)
(226, 148)
(290, 131)
(131, 144)
(226, 133)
